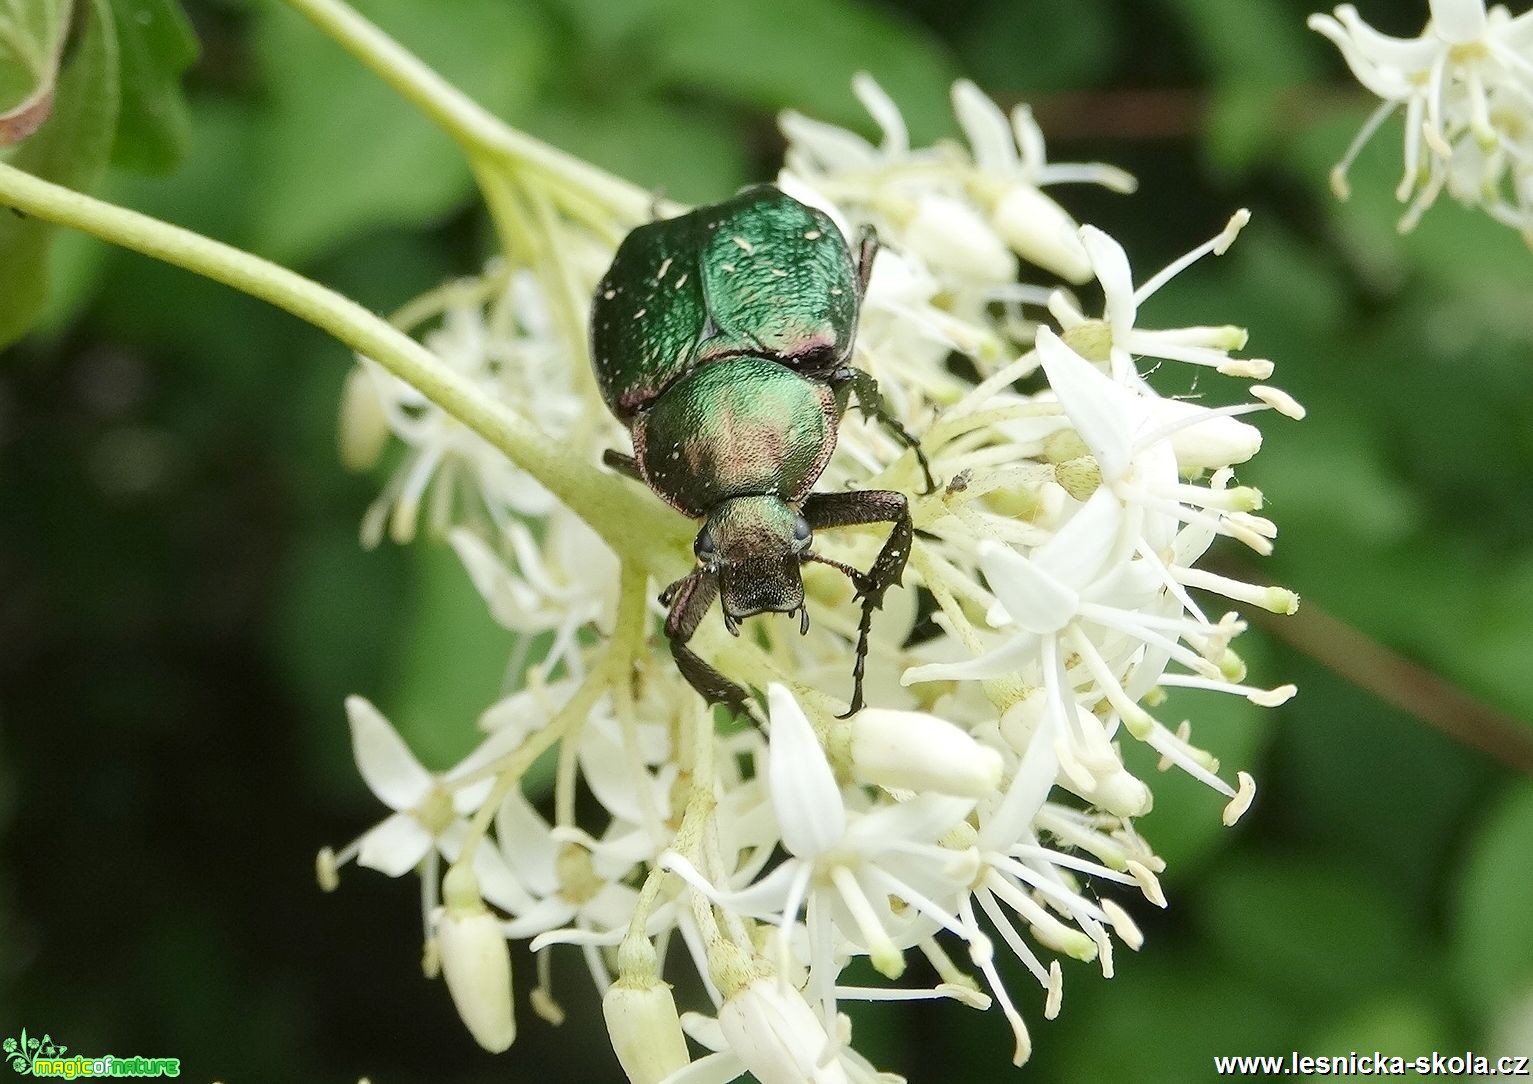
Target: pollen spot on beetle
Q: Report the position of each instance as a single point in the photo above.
(813, 235)
(681, 282)
(835, 291)
(779, 272)
(609, 295)
(727, 268)
(744, 245)
(640, 314)
(665, 266)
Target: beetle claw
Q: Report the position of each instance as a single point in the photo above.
(803, 620)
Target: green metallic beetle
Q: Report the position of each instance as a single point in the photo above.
(723, 339)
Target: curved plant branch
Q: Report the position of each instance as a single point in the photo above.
(615, 509)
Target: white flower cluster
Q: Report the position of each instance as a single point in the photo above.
(979, 807)
(1465, 86)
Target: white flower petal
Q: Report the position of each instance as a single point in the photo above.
(1034, 598)
(885, 114)
(525, 844)
(804, 794)
(985, 127)
(1008, 658)
(1110, 263)
(394, 846)
(1105, 414)
(1078, 554)
(386, 764)
(545, 914)
(1458, 21)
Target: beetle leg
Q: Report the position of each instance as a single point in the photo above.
(829, 510)
(623, 464)
(871, 402)
(867, 248)
(689, 599)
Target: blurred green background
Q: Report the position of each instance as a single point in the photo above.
(183, 604)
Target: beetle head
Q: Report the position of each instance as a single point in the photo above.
(754, 546)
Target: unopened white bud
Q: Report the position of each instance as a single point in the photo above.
(1020, 721)
(1042, 233)
(949, 234)
(910, 750)
(1121, 794)
(1212, 443)
(772, 1029)
(645, 1029)
(476, 961)
(364, 428)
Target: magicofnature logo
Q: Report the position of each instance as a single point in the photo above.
(33, 1056)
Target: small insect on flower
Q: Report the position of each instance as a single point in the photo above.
(723, 339)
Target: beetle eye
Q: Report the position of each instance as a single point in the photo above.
(801, 530)
(703, 547)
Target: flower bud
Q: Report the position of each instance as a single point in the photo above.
(1213, 443)
(476, 961)
(1042, 233)
(645, 1029)
(949, 234)
(364, 428)
(772, 1029)
(910, 750)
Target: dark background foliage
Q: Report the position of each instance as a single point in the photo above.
(183, 604)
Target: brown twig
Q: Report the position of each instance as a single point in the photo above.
(1404, 684)
(1172, 112)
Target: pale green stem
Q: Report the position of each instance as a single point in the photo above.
(630, 521)
(509, 769)
(476, 291)
(627, 644)
(635, 955)
(474, 127)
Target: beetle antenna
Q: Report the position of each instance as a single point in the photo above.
(853, 574)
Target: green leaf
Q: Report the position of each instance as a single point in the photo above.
(803, 53)
(32, 43)
(1254, 50)
(340, 152)
(1159, 1021)
(1402, 1026)
(1252, 42)
(1068, 44)
(157, 46)
(1364, 776)
(652, 143)
(1492, 937)
(1307, 930)
(453, 664)
(71, 148)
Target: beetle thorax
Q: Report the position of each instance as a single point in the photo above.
(742, 427)
(755, 544)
